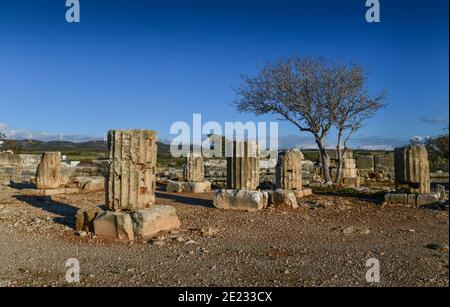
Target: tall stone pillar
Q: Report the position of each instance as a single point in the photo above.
(131, 181)
(289, 170)
(243, 166)
(48, 174)
(412, 171)
(194, 169)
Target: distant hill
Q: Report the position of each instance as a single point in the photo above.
(75, 151)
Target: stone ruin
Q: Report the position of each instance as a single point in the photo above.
(350, 176)
(412, 178)
(51, 178)
(193, 177)
(10, 167)
(243, 166)
(131, 181)
(289, 179)
(130, 194)
(412, 170)
(243, 180)
(289, 170)
(48, 175)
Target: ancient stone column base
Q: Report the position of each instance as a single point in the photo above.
(305, 192)
(411, 199)
(351, 182)
(126, 226)
(244, 200)
(188, 187)
(283, 199)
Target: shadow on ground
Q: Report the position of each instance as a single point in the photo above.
(186, 200)
(22, 186)
(65, 211)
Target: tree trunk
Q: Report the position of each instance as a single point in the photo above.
(325, 160)
(340, 160)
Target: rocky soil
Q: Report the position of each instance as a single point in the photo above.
(326, 242)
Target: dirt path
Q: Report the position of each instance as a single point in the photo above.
(325, 243)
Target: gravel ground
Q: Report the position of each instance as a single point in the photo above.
(324, 243)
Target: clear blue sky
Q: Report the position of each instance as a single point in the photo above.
(146, 64)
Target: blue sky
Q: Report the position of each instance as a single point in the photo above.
(147, 64)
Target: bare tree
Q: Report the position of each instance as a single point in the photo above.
(354, 108)
(305, 91)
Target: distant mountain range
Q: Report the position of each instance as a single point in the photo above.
(35, 146)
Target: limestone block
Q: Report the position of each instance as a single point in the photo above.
(48, 174)
(352, 181)
(148, 222)
(427, 199)
(114, 225)
(84, 220)
(174, 187)
(246, 200)
(197, 187)
(284, 199)
(365, 163)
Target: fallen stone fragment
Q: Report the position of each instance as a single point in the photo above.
(174, 187)
(148, 222)
(84, 220)
(115, 225)
(284, 199)
(246, 200)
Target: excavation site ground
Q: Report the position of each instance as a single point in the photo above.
(325, 242)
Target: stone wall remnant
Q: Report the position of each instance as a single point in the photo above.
(412, 171)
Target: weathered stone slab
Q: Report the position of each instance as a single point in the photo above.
(48, 174)
(245, 200)
(89, 184)
(197, 187)
(284, 199)
(289, 170)
(352, 181)
(365, 163)
(305, 192)
(188, 187)
(384, 163)
(427, 199)
(131, 180)
(411, 199)
(114, 225)
(148, 222)
(412, 172)
(174, 187)
(84, 220)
